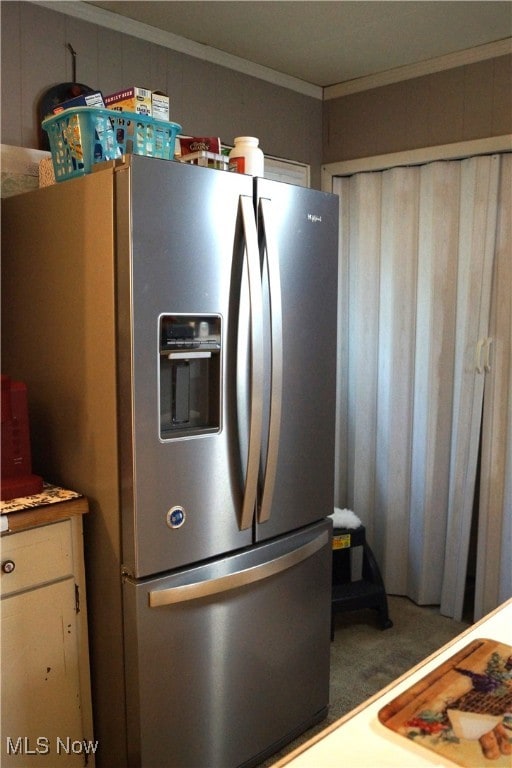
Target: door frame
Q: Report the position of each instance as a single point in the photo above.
(455, 151)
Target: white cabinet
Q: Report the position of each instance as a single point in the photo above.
(45, 694)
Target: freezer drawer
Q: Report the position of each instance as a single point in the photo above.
(228, 661)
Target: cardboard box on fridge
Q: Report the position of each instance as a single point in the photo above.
(160, 106)
(131, 99)
(84, 100)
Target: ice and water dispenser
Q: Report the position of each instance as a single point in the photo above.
(190, 375)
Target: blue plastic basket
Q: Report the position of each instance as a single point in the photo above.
(82, 136)
(143, 135)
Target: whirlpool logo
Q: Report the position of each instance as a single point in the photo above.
(314, 218)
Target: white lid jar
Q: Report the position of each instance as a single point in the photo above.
(246, 156)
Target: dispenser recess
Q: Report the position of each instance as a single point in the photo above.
(189, 375)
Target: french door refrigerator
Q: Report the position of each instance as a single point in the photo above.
(176, 329)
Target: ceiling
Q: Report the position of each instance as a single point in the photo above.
(324, 43)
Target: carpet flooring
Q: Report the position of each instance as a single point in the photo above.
(365, 658)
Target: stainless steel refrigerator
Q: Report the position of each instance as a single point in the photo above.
(176, 329)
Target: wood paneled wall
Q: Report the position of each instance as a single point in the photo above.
(206, 99)
(467, 102)
(473, 101)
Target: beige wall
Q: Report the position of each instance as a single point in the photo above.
(468, 102)
(206, 99)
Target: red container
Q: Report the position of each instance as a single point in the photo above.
(17, 478)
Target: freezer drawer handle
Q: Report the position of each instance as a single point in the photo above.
(238, 579)
(276, 387)
(256, 314)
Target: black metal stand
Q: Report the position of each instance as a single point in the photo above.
(365, 592)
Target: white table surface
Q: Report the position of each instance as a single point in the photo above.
(359, 740)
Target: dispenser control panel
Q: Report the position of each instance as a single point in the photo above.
(189, 332)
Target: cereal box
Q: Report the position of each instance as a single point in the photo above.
(160, 106)
(131, 99)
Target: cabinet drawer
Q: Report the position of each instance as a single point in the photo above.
(40, 555)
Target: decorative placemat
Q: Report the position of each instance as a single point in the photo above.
(49, 495)
(463, 709)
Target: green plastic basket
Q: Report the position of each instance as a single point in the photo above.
(82, 136)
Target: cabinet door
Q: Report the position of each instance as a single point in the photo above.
(41, 715)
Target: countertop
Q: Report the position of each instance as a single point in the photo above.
(49, 506)
(360, 740)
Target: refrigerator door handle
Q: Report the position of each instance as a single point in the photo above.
(256, 355)
(208, 587)
(276, 388)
